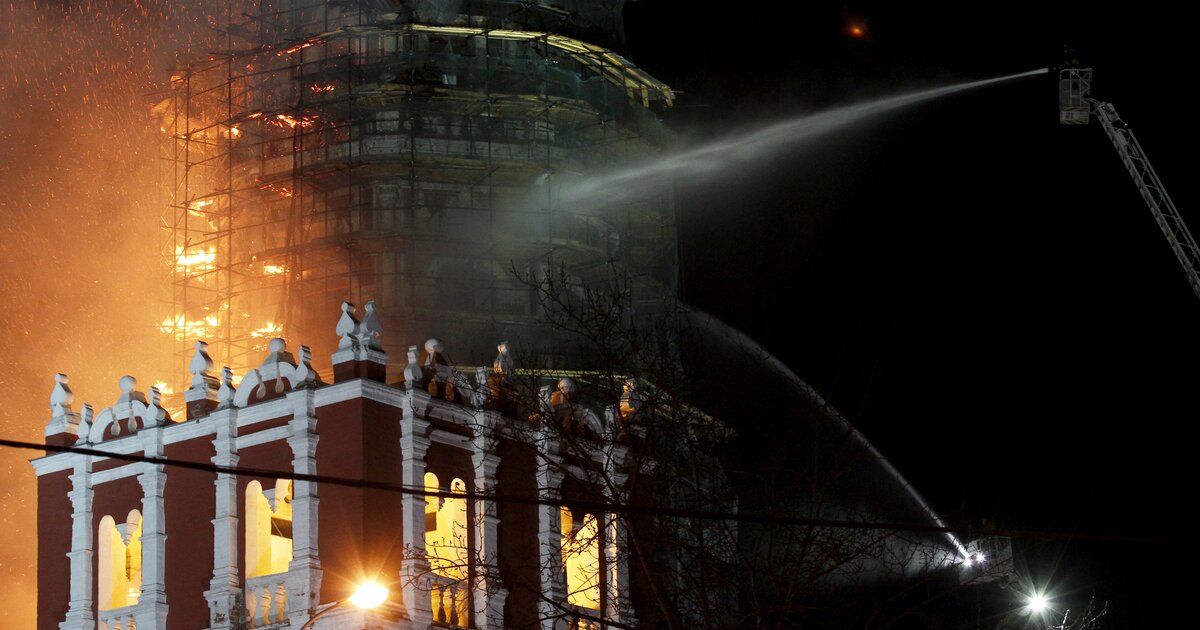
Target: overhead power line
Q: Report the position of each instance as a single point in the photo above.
(590, 506)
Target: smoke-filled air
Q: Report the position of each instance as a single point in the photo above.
(82, 192)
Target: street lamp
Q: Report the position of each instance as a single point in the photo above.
(1037, 603)
(369, 595)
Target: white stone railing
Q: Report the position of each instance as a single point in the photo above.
(117, 619)
(451, 601)
(266, 600)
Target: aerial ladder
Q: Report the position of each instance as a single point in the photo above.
(1076, 107)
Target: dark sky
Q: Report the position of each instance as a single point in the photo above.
(981, 290)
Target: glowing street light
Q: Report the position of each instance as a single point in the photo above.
(1037, 603)
(369, 595)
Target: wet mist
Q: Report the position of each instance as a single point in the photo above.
(765, 143)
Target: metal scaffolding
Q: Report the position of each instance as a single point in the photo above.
(365, 150)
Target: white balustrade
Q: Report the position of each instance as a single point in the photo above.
(266, 600)
(117, 619)
(450, 601)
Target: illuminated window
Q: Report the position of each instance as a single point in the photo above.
(446, 530)
(119, 574)
(581, 558)
(268, 528)
(446, 546)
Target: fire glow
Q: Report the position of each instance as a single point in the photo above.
(195, 262)
(298, 47)
(291, 122)
(271, 330)
(184, 330)
(282, 190)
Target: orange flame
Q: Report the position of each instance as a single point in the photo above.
(297, 47)
(183, 329)
(291, 122)
(195, 262)
(282, 190)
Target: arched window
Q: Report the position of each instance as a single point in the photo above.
(119, 570)
(446, 547)
(268, 528)
(446, 529)
(581, 558)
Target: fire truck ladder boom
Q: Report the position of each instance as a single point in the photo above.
(1076, 106)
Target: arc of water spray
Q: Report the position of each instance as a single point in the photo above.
(747, 343)
(721, 153)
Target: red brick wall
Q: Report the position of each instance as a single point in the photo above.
(190, 506)
(54, 541)
(519, 551)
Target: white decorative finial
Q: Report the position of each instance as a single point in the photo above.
(201, 366)
(306, 376)
(85, 422)
(277, 345)
(227, 391)
(127, 383)
(433, 346)
(155, 413)
(61, 397)
(412, 371)
(503, 365)
(567, 386)
(347, 327)
(370, 329)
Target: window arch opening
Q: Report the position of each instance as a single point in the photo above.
(268, 528)
(119, 570)
(581, 558)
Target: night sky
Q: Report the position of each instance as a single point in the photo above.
(981, 290)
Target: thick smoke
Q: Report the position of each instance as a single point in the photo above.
(83, 193)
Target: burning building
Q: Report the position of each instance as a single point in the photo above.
(414, 153)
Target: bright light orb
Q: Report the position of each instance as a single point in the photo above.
(369, 595)
(1038, 603)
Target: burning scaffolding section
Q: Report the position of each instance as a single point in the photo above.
(419, 164)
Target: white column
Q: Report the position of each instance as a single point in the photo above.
(616, 543)
(79, 612)
(304, 571)
(151, 613)
(619, 606)
(489, 593)
(554, 579)
(415, 570)
(225, 598)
